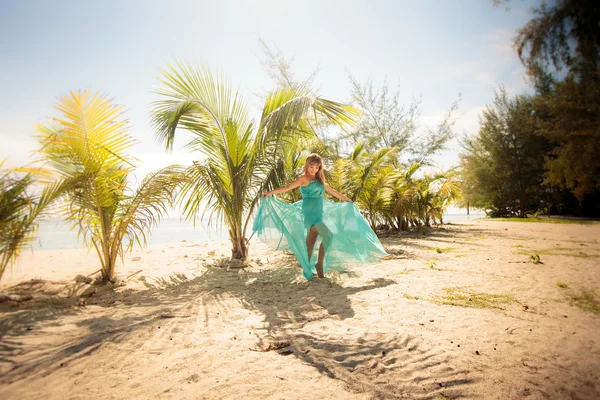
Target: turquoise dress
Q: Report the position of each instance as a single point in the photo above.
(346, 236)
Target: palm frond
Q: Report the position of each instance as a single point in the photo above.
(201, 102)
(288, 109)
(371, 167)
(241, 159)
(19, 213)
(138, 214)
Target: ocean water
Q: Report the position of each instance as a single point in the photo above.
(54, 234)
(455, 217)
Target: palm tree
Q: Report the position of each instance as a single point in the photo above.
(448, 190)
(368, 179)
(432, 196)
(403, 205)
(290, 164)
(241, 156)
(19, 212)
(85, 150)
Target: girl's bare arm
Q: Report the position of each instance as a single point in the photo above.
(337, 194)
(298, 182)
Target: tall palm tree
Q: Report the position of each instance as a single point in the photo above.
(85, 150)
(240, 155)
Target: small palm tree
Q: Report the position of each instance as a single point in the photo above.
(448, 191)
(368, 179)
(241, 158)
(20, 209)
(433, 195)
(85, 150)
(403, 206)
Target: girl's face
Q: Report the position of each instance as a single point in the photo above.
(313, 169)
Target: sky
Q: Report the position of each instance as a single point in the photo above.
(432, 50)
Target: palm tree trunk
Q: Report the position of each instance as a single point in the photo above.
(239, 250)
(4, 263)
(372, 222)
(113, 264)
(108, 258)
(108, 267)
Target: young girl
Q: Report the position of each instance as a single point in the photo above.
(344, 235)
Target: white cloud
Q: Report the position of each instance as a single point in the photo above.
(491, 61)
(150, 162)
(501, 45)
(18, 151)
(466, 124)
(467, 120)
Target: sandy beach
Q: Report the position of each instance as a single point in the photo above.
(461, 312)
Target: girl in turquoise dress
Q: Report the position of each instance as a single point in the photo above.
(343, 235)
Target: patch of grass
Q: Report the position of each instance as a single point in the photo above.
(580, 242)
(395, 254)
(474, 238)
(562, 285)
(463, 297)
(403, 272)
(410, 297)
(440, 250)
(558, 251)
(545, 220)
(394, 257)
(460, 255)
(586, 301)
(535, 258)
(395, 251)
(584, 255)
(518, 245)
(431, 264)
(423, 230)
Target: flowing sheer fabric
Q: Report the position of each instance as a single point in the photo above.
(347, 237)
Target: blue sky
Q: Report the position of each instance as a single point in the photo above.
(431, 49)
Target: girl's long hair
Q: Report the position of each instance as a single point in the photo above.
(315, 159)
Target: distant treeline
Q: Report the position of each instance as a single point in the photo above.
(540, 153)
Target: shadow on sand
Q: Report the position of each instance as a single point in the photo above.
(381, 364)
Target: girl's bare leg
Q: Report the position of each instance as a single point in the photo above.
(311, 238)
(319, 264)
(325, 234)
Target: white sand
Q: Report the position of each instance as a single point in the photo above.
(182, 330)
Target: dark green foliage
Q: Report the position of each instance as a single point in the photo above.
(569, 117)
(560, 47)
(564, 35)
(502, 167)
